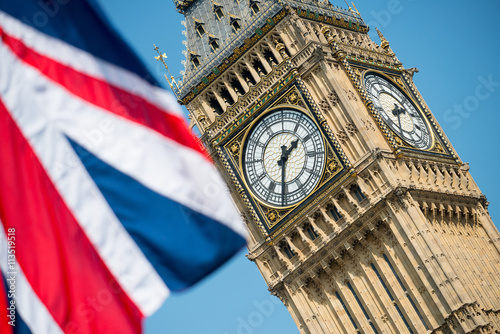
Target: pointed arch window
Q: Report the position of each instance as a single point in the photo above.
(358, 193)
(335, 213)
(234, 21)
(198, 26)
(213, 42)
(312, 233)
(195, 59)
(218, 11)
(287, 250)
(254, 5)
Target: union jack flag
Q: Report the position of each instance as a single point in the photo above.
(107, 201)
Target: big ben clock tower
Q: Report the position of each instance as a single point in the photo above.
(363, 219)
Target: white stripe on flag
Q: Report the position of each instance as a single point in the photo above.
(163, 165)
(122, 256)
(86, 63)
(28, 305)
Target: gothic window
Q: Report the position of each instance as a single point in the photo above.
(288, 251)
(391, 298)
(347, 312)
(224, 93)
(335, 213)
(257, 65)
(198, 26)
(254, 6)
(218, 11)
(215, 105)
(195, 59)
(405, 291)
(248, 77)
(212, 40)
(310, 231)
(270, 57)
(235, 23)
(362, 307)
(358, 193)
(235, 83)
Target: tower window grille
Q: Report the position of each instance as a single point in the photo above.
(358, 193)
(362, 307)
(406, 292)
(335, 213)
(391, 298)
(347, 312)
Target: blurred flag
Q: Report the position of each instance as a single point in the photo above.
(107, 201)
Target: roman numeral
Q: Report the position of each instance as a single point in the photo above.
(306, 138)
(272, 186)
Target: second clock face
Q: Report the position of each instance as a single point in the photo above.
(284, 157)
(398, 112)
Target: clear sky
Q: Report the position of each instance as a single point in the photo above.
(456, 47)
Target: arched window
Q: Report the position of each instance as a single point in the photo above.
(358, 193)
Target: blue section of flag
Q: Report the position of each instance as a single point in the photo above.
(183, 245)
(80, 23)
(20, 326)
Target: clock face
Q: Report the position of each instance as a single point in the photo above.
(398, 112)
(284, 157)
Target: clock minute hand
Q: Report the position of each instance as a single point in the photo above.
(282, 163)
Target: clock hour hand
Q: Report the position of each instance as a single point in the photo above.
(282, 163)
(397, 111)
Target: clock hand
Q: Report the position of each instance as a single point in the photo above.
(398, 111)
(292, 146)
(282, 163)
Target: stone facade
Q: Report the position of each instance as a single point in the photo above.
(395, 239)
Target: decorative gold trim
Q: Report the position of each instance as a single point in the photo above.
(331, 169)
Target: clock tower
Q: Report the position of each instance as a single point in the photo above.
(362, 217)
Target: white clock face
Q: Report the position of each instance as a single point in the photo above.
(398, 112)
(284, 157)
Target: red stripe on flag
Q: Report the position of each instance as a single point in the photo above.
(56, 256)
(4, 313)
(104, 95)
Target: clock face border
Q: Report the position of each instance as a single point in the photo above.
(273, 221)
(318, 171)
(416, 106)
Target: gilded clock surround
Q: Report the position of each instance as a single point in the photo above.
(275, 219)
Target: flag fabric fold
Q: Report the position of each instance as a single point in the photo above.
(106, 199)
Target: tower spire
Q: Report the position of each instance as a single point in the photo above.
(385, 42)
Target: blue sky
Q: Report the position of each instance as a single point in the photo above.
(456, 47)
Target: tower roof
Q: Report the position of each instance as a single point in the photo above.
(214, 29)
